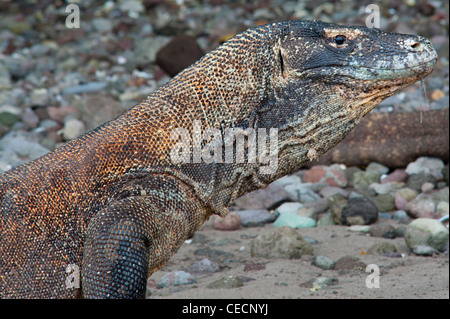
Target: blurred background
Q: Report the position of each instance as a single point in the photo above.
(58, 82)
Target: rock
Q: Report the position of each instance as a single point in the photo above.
(39, 97)
(359, 211)
(363, 180)
(231, 221)
(330, 191)
(178, 54)
(421, 206)
(336, 207)
(204, 266)
(323, 262)
(320, 283)
(400, 203)
(427, 165)
(268, 198)
(145, 49)
(424, 250)
(288, 208)
(377, 167)
(442, 208)
(102, 25)
(254, 267)
(18, 151)
(400, 214)
(407, 193)
(321, 173)
(382, 230)
(255, 217)
(427, 187)
(382, 249)
(9, 115)
(228, 282)
(213, 253)
(359, 228)
(175, 278)
(386, 188)
(85, 88)
(402, 139)
(426, 231)
(294, 220)
(397, 176)
(326, 220)
(384, 202)
(383, 215)
(301, 193)
(282, 242)
(416, 181)
(98, 109)
(445, 174)
(288, 180)
(349, 263)
(73, 129)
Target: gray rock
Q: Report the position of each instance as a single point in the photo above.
(359, 211)
(386, 188)
(424, 250)
(228, 282)
(102, 24)
(382, 249)
(301, 193)
(268, 198)
(416, 181)
(321, 283)
(282, 242)
(85, 88)
(383, 230)
(363, 180)
(73, 128)
(288, 180)
(384, 202)
(323, 262)
(204, 266)
(175, 278)
(18, 151)
(428, 165)
(377, 167)
(400, 214)
(426, 231)
(326, 220)
(349, 263)
(255, 217)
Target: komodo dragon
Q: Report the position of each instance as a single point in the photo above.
(114, 204)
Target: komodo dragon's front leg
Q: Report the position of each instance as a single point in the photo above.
(133, 237)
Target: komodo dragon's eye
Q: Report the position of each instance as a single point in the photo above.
(340, 39)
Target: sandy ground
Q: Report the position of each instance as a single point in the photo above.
(408, 277)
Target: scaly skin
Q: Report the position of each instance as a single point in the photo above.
(113, 203)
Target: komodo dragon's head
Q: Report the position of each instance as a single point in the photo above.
(326, 77)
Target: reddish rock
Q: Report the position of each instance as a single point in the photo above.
(399, 175)
(400, 203)
(325, 174)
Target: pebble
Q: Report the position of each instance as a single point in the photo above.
(281, 242)
(73, 129)
(294, 220)
(320, 283)
(359, 211)
(382, 249)
(397, 176)
(384, 202)
(426, 165)
(255, 217)
(325, 174)
(364, 179)
(17, 151)
(349, 263)
(377, 167)
(85, 88)
(231, 221)
(416, 181)
(175, 278)
(424, 250)
(323, 262)
(204, 266)
(268, 198)
(400, 214)
(228, 282)
(383, 230)
(301, 193)
(359, 228)
(426, 231)
(254, 267)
